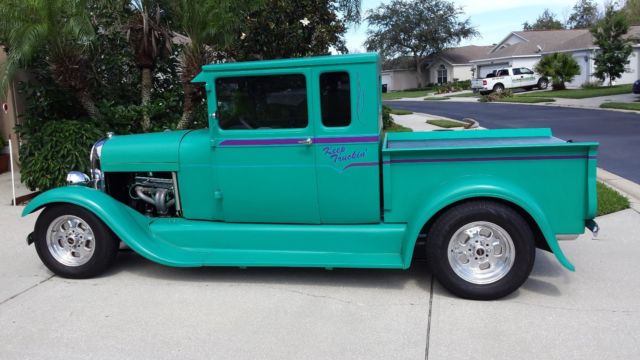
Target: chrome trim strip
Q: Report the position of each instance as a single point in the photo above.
(174, 176)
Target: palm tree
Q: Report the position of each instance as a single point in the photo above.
(59, 31)
(560, 67)
(150, 39)
(211, 27)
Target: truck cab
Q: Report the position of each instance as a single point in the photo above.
(295, 170)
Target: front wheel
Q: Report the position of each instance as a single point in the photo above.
(73, 243)
(481, 250)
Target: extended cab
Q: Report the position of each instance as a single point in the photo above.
(509, 78)
(295, 170)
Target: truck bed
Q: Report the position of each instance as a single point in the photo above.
(532, 163)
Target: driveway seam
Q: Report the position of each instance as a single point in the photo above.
(25, 290)
(426, 350)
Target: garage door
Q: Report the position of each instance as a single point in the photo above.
(483, 70)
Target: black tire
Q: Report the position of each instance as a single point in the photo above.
(543, 84)
(485, 211)
(105, 243)
(498, 88)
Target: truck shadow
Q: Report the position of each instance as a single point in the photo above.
(130, 263)
(545, 275)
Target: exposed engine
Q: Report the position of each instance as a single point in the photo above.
(157, 192)
(152, 194)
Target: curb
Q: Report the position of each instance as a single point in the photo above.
(626, 187)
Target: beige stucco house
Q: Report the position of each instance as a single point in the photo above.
(10, 106)
(450, 65)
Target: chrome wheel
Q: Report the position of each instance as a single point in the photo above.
(70, 240)
(481, 252)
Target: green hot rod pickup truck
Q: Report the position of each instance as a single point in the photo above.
(295, 171)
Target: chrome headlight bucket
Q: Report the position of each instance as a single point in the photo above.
(95, 174)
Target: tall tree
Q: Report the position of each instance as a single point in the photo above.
(560, 67)
(150, 39)
(417, 28)
(290, 28)
(584, 15)
(546, 21)
(212, 26)
(60, 32)
(609, 35)
(632, 10)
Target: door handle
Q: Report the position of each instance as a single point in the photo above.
(306, 141)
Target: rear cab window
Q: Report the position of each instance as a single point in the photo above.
(335, 99)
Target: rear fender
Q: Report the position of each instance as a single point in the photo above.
(129, 225)
(469, 188)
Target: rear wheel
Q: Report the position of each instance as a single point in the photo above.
(73, 243)
(481, 250)
(498, 88)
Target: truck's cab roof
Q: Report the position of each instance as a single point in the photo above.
(290, 63)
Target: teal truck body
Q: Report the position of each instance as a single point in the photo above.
(294, 170)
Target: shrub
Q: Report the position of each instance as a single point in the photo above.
(59, 147)
(591, 84)
(387, 122)
(560, 67)
(494, 96)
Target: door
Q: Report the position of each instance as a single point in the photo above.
(263, 151)
(347, 144)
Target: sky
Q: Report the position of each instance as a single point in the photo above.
(494, 19)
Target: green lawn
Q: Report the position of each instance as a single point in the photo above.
(582, 93)
(443, 123)
(397, 128)
(406, 94)
(525, 100)
(620, 105)
(401, 112)
(609, 200)
(436, 98)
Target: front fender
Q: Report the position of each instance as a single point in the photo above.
(487, 187)
(129, 225)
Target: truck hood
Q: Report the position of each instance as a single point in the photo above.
(142, 152)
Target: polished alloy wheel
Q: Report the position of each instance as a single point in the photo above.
(70, 240)
(481, 252)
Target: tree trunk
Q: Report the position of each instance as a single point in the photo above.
(146, 97)
(88, 104)
(187, 106)
(416, 60)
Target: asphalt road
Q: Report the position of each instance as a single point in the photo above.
(617, 132)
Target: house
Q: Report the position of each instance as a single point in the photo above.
(526, 48)
(450, 65)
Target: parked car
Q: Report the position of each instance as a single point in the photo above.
(294, 170)
(636, 87)
(509, 78)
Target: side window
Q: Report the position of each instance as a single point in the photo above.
(516, 71)
(335, 99)
(526, 71)
(262, 102)
(503, 72)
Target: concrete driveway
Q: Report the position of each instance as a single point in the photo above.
(143, 310)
